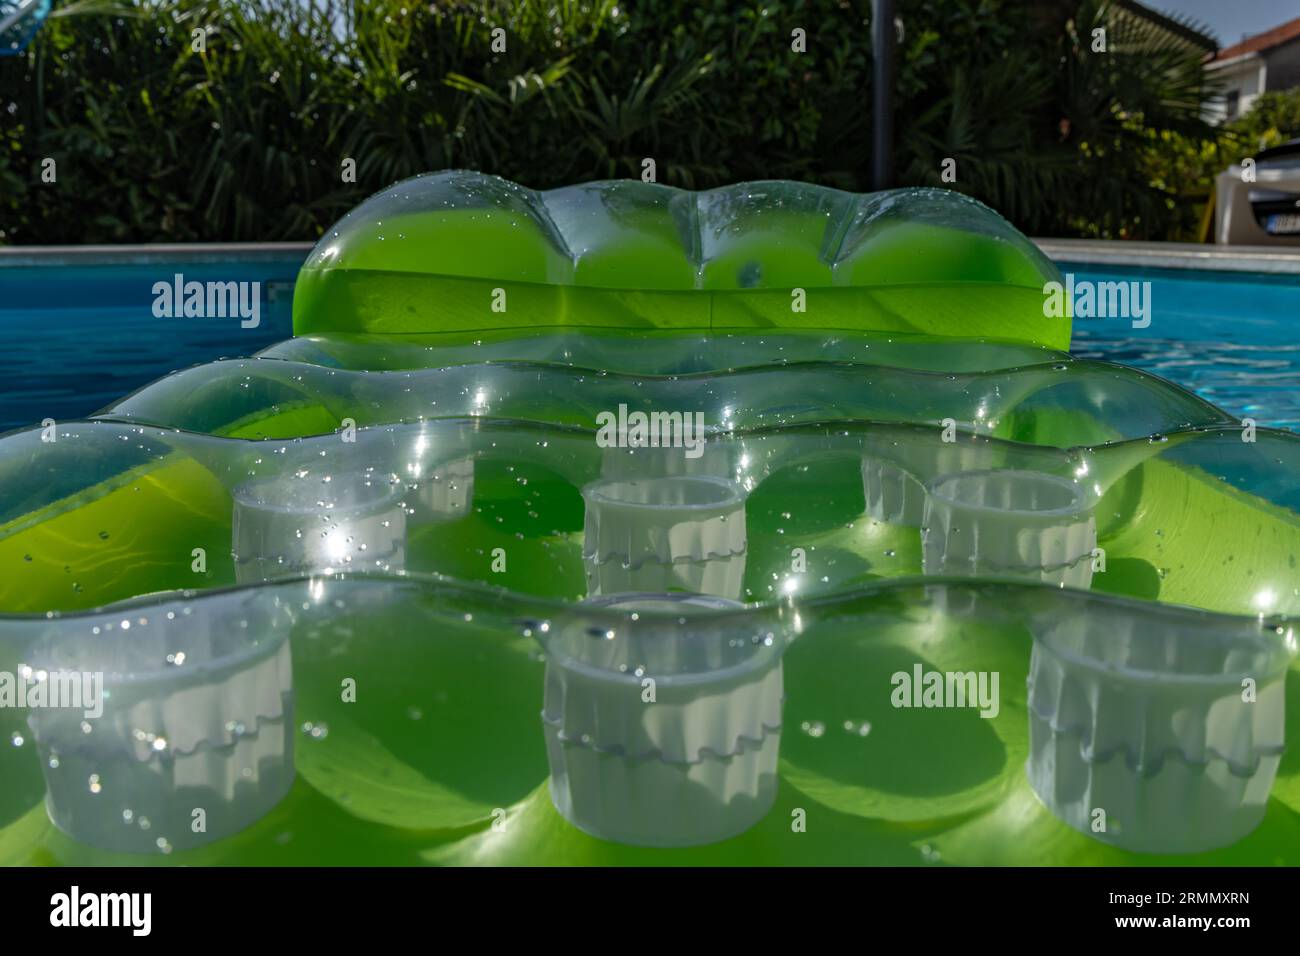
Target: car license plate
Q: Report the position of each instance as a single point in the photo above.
(1283, 223)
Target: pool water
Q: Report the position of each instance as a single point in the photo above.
(1232, 338)
(80, 337)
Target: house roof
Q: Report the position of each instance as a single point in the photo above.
(1262, 41)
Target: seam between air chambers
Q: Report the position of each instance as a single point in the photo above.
(537, 200)
(694, 247)
(834, 244)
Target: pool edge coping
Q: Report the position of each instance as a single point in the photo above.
(150, 253)
(1276, 260)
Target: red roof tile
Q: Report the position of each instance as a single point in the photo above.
(1263, 41)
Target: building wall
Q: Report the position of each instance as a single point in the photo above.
(1283, 66)
(1242, 82)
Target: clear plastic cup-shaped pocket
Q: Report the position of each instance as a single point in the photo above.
(444, 493)
(285, 526)
(1009, 523)
(1157, 730)
(893, 494)
(182, 732)
(685, 532)
(895, 473)
(664, 730)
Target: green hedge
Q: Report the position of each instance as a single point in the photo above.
(153, 141)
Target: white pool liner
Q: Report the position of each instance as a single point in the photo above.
(665, 533)
(1145, 717)
(663, 731)
(1009, 523)
(300, 523)
(197, 716)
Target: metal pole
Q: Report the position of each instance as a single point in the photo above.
(882, 94)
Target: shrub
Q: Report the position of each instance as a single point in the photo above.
(244, 140)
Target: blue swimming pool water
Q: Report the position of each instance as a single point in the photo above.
(1233, 338)
(79, 337)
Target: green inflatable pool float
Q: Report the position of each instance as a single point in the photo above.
(619, 524)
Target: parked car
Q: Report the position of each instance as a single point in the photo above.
(1258, 201)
